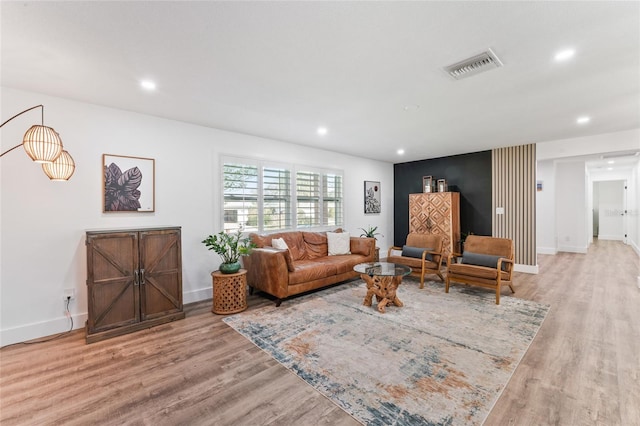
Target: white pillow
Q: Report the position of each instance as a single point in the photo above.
(339, 243)
(279, 243)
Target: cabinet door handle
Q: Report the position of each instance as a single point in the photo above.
(141, 276)
(136, 278)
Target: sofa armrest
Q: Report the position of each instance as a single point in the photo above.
(267, 271)
(363, 246)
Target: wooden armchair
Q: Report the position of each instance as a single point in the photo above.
(422, 253)
(486, 262)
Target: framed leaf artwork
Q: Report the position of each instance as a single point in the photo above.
(371, 197)
(128, 184)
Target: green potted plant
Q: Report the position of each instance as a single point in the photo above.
(230, 246)
(370, 232)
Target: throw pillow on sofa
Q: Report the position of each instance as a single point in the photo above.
(279, 243)
(339, 243)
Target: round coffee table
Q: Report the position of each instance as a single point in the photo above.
(383, 279)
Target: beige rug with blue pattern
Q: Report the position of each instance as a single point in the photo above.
(442, 359)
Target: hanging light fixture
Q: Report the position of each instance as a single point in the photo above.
(43, 145)
(61, 169)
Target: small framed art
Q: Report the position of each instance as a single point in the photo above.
(371, 197)
(128, 184)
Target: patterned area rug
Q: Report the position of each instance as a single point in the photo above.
(442, 359)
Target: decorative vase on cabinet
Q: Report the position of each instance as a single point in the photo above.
(134, 280)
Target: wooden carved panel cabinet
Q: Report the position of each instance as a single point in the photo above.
(134, 280)
(437, 213)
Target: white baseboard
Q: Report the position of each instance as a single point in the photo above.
(610, 237)
(573, 249)
(547, 250)
(197, 295)
(41, 329)
(61, 324)
(527, 269)
(635, 247)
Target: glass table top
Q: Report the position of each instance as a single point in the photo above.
(382, 269)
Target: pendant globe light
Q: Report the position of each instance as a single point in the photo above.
(43, 145)
(61, 169)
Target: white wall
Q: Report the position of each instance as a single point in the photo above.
(633, 206)
(546, 238)
(574, 150)
(571, 207)
(42, 223)
(628, 140)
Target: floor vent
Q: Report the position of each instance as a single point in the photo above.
(485, 61)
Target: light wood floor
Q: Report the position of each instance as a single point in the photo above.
(583, 367)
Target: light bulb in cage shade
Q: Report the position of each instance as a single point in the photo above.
(42, 144)
(61, 169)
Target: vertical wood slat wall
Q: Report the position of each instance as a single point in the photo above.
(514, 189)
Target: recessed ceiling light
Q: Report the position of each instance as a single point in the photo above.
(411, 107)
(400, 151)
(609, 168)
(610, 162)
(322, 131)
(583, 120)
(563, 55)
(148, 85)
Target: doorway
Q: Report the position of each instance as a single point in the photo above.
(609, 210)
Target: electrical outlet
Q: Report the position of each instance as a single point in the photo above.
(69, 293)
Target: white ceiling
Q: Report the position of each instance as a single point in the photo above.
(281, 69)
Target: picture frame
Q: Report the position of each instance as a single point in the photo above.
(128, 184)
(372, 201)
(427, 183)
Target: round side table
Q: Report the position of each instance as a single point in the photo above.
(229, 292)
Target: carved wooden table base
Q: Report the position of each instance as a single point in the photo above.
(384, 288)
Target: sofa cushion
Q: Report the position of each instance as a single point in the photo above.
(474, 272)
(408, 251)
(309, 270)
(338, 243)
(315, 244)
(480, 259)
(295, 242)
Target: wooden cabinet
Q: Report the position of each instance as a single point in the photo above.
(134, 280)
(437, 213)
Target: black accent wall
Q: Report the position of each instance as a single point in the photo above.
(468, 174)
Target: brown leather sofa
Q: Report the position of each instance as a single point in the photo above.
(304, 266)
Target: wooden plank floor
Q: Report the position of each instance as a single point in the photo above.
(583, 367)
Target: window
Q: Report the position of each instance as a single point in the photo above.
(276, 208)
(308, 197)
(261, 196)
(240, 189)
(332, 200)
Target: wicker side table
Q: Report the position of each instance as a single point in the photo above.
(229, 292)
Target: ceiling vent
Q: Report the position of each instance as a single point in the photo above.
(474, 65)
